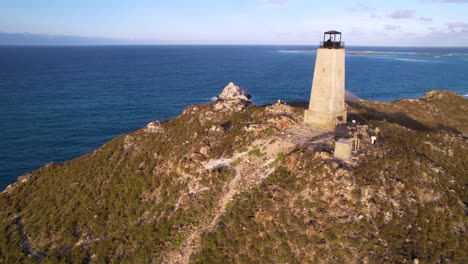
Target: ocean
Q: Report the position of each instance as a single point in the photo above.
(57, 103)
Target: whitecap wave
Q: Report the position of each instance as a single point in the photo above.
(379, 53)
(214, 98)
(290, 51)
(403, 53)
(411, 60)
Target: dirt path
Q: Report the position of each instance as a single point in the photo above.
(26, 243)
(251, 168)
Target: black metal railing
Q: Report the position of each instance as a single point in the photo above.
(332, 44)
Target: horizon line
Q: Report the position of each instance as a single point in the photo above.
(208, 44)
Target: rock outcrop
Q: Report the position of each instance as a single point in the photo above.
(234, 92)
(232, 98)
(154, 127)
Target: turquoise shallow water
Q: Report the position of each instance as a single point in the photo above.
(57, 103)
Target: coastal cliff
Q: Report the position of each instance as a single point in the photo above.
(233, 182)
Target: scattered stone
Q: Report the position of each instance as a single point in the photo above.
(128, 142)
(24, 178)
(450, 153)
(216, 130)
(279, 109)
(204, 150)
(153, 127)
(323, 155)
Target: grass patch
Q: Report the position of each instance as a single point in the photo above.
(279, 158)
(243, 149)
(236, 162)
(269, 132)
(256, 152)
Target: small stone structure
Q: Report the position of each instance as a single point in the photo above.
(327, 99)
(343, 149)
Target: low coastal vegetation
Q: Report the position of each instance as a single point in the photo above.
(214, 185)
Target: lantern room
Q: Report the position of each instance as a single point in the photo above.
(332, 40)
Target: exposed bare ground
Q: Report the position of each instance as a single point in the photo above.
(250, 169)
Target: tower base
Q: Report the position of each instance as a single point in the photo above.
(325, 121)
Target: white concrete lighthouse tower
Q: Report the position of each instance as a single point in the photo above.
(327, 100)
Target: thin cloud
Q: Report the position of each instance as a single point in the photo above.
(276, 2)
(357, 31)
(359, 6)
(425, 19)
(458, 27)
(402, 14)
(391, 27)
(410, 34)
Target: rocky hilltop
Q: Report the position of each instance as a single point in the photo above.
(233, 182)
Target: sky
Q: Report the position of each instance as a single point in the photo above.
(296, 22)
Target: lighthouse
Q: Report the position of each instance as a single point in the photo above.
(327, 99)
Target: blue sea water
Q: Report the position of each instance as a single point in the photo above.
(57, 103)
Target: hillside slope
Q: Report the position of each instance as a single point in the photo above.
(230, 181)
